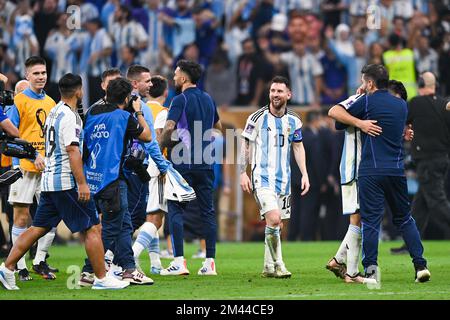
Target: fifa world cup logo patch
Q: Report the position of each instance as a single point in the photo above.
(41, 116)
(94, 155)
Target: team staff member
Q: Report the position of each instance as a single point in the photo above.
(189, 111)
(381, 173)
(29, 113)
(108, 131)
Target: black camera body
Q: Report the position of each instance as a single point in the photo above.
(129, 106)
(6, 96)
(135, 162)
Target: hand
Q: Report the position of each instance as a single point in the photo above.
(137, 104)
(369, 127)
(3, 78)
(305, 185)
(360, 90)
(39, 162)
(245, 183)
(409, 133)
(84, 194)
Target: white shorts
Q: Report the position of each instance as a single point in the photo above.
(268, 200)
(25, 188)
(350, 202)
(156, 199)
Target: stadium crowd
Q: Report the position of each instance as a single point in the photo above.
(321, 46)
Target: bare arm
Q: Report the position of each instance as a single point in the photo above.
(339, 113)
(76, 166)
(10, 128)
(243, 163)
(165, 138)
(300, 158)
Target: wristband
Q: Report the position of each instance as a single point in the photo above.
(138, 113)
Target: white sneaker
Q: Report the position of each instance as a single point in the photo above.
(268, 271)
(199, 255)
(109, 283)
(7, 278)
(423, 275)
(86, 280)
(281, 271)
(166, 254)
(208, 269)
(175, 270)
(115, 271)
(136, 277)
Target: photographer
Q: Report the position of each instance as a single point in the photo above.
(108, 131)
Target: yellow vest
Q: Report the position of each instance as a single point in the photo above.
(156, 108)
(400, 65)
(32, 114)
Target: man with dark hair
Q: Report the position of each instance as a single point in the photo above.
(108, 131)
(430, 151)
(191, 113)
(381, 173)
(29, 114)
(156, 205)
(65, 193)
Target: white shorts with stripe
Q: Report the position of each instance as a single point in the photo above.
(25, 188)
(268, 200)
(350, 202)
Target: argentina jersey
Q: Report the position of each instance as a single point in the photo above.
(271, 148)
(63, 128)
(351, 150)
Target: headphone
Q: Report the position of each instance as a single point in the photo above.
(421, 81)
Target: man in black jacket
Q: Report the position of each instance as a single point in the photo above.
(430, 150)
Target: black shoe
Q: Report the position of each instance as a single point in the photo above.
(51, 269)
(402, 250)
(24, 275)
(43, 269)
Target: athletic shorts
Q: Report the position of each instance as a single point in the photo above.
(64, 205)
(156, 200)
(26, 188)
(350, 202)
(268, 200)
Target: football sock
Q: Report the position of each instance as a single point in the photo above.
(341, 254)
(354, 247)
(146, 234)
(16, 232)
(153, 251)
(44, 244)
(272, 235)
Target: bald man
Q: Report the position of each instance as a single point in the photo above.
(20, 86)
(430, 147)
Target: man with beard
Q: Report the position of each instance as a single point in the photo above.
(268, 135)
(193, 113)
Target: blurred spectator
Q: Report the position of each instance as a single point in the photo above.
(96, 56)
(343, 42)
(353, 63)
(426, 58)
(251, 75)
(154, 28)
(46, 18)
(375, 53)
(88, 10)
(399, 62)
(297, 28)
(334, 87)
(332, 10)
(238, 30)
(221, 80)
(6, 10)
(179, 28)
(62, 47)
(205, 32)
(128, 57)
(24, 41)
(127, 32)
(107, 13)
(262, 15)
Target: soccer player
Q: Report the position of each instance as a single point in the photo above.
(193, 113)
(381, 175)
(268, 136)
(65, 193)
(148, 237)
(345, 263)
(29, 114)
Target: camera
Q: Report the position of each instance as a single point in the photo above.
(135, 162)
(129, 106)
(6, 96)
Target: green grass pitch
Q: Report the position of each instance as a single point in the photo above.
(239, 266)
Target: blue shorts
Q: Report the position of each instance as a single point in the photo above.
(64, 205)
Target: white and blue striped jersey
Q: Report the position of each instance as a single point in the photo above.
(351, 150)
(63, 128)
(271, 148)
